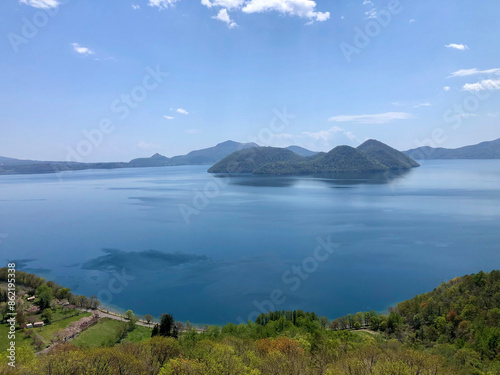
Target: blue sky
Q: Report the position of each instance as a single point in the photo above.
(114, 80)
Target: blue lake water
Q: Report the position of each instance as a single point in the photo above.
(215, 250)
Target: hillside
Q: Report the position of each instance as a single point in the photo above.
(247, 161)
(483, 150)
(390, 157)
(372, 156)
(301, 151)
(452, 330)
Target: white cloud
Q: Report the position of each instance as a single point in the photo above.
(411, 21)
(446, 88)
(224, 17)
(368, 2)
(142, 145)
(485, 84)
(193, 131)
(381, 118)
(300, 8)
(82, 50)
(182, 111)
(41, 4)
(283, 136)
(426, 104)
(136, 7)
(474, 71)
(325, 135)
(372, 13)
(228, 4)
(169, 117)
(162, 4)
(460, 47)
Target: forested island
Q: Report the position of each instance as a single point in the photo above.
(454, 329)
(371, 156)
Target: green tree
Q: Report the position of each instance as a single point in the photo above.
(148, 318)
(45, 296)
(166, 325)
(47, 316)
(129, 314)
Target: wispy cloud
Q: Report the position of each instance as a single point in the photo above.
(41, 4)
(182, 111)
(168, 117)
(447, 88)
(223, 16)
(485, 84)
(143, 145)
(380, 118)
(193, 131)
(228, 4)
(325, 135)
(162, 4)
(372, 13)
(81, 49)
(460, 47)
(426, 104)
(136, 7)
(368, 2)
(473, 72)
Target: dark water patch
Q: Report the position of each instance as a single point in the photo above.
(147, 260)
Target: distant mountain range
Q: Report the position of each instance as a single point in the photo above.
(208, 156)
(371, 156)
(484, 150)
(307, 162)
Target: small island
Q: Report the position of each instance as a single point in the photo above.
(371, 156)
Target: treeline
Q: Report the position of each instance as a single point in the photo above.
(422, 336)
(460, 319)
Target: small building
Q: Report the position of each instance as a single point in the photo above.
(29, 325)
(32, 298)
(38, 324)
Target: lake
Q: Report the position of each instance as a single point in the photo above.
(221, 249)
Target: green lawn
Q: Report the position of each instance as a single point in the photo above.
(100, 334)
(48, 331)
(139, 334)
(4, 340)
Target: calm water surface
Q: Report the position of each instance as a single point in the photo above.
(214, 250)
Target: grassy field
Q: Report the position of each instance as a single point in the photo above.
(100, 334)
(138, 334)
(48, 331)
(4, 340)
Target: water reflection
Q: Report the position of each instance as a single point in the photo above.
(338, 179)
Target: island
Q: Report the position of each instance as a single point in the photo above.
(371, 156)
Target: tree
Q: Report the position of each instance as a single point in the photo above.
(166, 325)
(324, 321)
(129, 314)
(156, 330)
(148, 318)
(47, 316)
(45, 296)
(94, 302)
